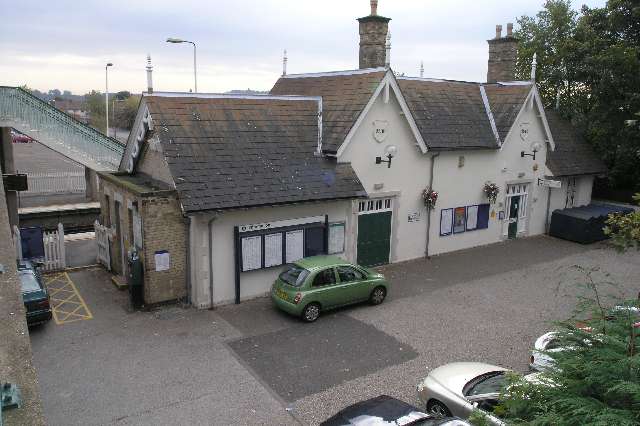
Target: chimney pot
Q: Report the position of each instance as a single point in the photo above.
(374, 7)
(498, 31)
(510, 29)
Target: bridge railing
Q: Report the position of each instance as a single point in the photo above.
(58, 130)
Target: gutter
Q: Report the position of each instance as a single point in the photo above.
(433, 163)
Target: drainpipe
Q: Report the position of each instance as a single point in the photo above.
(433, 163)
(210, 226)
(188, 277)
(546, 219)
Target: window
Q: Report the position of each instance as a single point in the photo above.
(372, 206)
(487, 383)
(294, 275)
(326, 277)
(348, 274)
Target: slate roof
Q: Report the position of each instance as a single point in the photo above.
(449, 114)
(344, 96)
(237, 152)
(573, 155)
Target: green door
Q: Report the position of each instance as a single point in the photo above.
(374, 235)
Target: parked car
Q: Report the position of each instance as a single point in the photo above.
(17, 137)
(34, 294)
(541, 357)
(458, 388)
(319, 283)
(386, 410)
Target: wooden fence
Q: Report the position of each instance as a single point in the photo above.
(102, 241)
(67, 182)
(54, 252)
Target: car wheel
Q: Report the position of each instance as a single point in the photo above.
(437, 408)
(311, 312)
(377, 295)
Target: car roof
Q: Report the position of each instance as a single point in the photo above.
(315, 262)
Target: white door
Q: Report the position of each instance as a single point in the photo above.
(516, 211)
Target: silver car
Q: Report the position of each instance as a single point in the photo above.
(458, 388)
(540, 359)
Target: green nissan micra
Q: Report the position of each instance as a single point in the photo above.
(318, 283)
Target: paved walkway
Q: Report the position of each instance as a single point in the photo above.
(251, 364)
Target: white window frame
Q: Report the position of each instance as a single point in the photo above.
(375, 205)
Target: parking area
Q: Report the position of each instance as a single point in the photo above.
(251, 364)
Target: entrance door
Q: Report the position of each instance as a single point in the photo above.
(374, 232)
(514, 206)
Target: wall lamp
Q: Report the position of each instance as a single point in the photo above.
(390, 152)
(534, 149)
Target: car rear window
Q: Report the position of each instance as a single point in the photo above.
(29, 282)
(294, 275)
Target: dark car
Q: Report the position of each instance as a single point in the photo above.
(386, 410)
(34, 294)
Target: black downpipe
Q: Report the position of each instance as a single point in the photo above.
(236, 242)
(326, 234)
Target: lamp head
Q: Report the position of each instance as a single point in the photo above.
(174, 40)
(391, 150)
(109, 64)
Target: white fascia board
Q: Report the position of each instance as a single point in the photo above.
(137, 122)
(487, 108)
(231, 96)
(543, 116)
(390, 80)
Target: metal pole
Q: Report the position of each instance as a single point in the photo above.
(195, 75)
(106, 95)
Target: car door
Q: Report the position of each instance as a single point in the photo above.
(353, 284)
(324, 285)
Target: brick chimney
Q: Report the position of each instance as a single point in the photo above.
(502, 56)
(373, 38)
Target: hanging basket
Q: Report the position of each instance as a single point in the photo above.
(491, 190)
(429, 196)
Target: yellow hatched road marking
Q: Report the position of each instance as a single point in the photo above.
(62, 283)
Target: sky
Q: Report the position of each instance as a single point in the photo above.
(65, 44)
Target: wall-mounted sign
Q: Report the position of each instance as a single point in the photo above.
(380, 130)
(413, 217)
(446, 222)
(472, 218)
(459, 219)
(336, 237)
(251, 253)
(550, 183)
(162, 260)
(279, 224)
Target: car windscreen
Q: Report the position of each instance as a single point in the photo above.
(487, 383)
(294, 275)
(29, 282)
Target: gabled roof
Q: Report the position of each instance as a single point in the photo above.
(229, 152)
(449, 114)
(506, 101)
(344, 96)
(573, 155)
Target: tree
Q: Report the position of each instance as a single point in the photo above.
(96, 107)
(596, 379)
(125, 112)
(624, 229)
(592, 61)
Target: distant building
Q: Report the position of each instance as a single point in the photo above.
(75, 108)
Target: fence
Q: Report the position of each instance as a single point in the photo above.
(102, 240)
(54, 252)
(68, 182)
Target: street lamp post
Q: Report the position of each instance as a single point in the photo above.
(106, 93)
(195, 73)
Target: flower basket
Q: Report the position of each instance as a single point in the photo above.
(429, 196)
(491, 190)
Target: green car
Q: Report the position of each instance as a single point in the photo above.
(318, 283)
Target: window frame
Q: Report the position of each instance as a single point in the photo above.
(335, 278)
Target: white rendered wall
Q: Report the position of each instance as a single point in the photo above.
(404, 180)
(252, 283)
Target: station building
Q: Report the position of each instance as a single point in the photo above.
(217, 192)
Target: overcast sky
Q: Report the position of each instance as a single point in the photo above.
(65, 44)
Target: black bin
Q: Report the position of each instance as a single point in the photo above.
(583, 224)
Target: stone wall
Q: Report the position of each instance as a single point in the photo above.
(164, 228)
(502, 59)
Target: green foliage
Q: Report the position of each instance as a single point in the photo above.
(96, 107)
(478, 418)
(596, 379)
(125, 112)
(592, 60)
(624, 229)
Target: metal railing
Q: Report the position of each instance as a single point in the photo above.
(57, 130)
(68, 182)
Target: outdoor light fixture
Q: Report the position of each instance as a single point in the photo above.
(195, 73)
(534, 149)
(390, 152)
